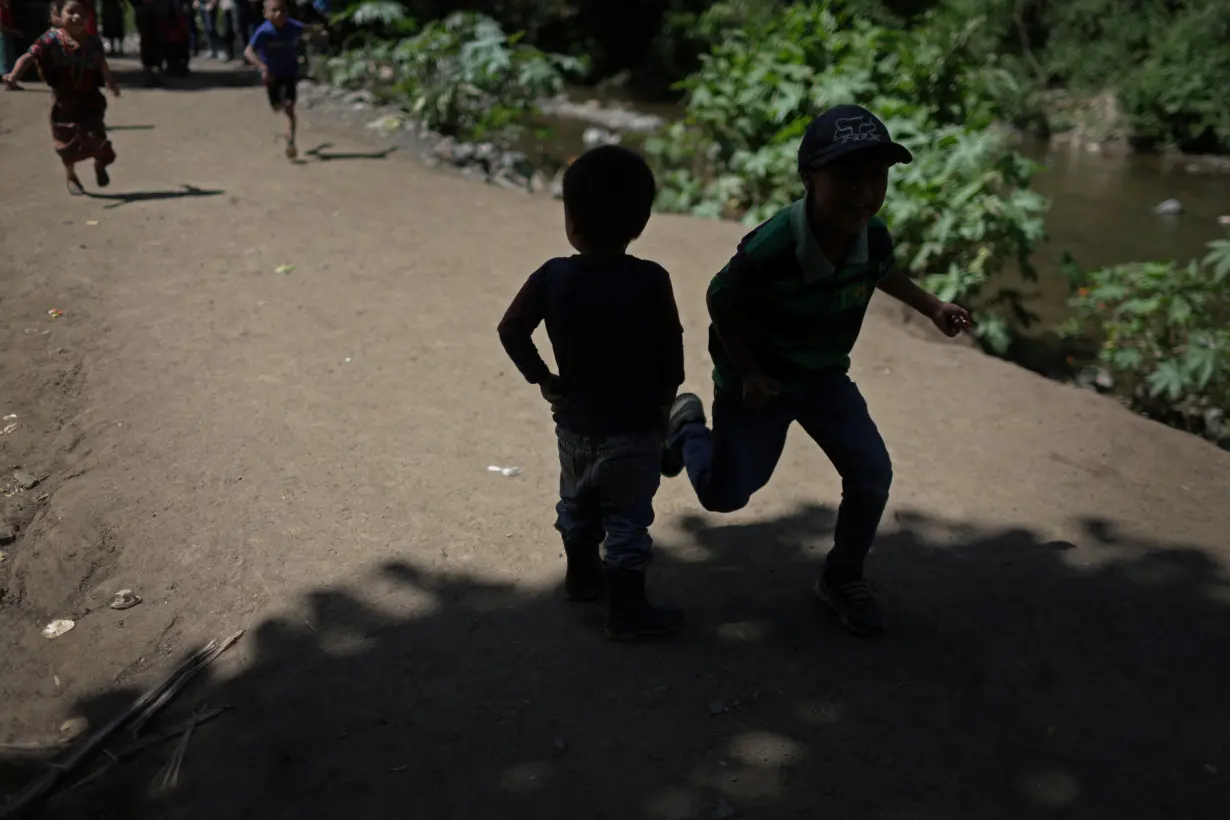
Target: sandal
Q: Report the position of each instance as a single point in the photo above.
(101, 176)
(75, 188)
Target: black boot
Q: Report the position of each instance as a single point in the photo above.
(584, 578)
(632, 616)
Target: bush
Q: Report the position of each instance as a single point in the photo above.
(1162, 331)
(959, 214)
(1179, 96)
(461, 76)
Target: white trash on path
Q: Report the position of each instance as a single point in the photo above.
(125, 599)
(58, 627)
(508, 472)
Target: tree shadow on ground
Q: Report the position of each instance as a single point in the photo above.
(1021, 678)
(182, 192)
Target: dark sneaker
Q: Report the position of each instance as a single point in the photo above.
(632, 617)
(855, 605)
(585, 578)
(101, 176)
(687, 409)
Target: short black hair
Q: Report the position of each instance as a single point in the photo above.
(608, 194)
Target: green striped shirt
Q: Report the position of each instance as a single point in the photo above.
(801, 312)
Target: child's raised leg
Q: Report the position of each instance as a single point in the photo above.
(728, 464)
(100, 173)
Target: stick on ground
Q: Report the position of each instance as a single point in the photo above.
(136, 746)
(137, 715)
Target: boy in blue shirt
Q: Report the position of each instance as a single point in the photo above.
(275, 51)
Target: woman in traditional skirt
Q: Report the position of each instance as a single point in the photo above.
(113, 25)
(151, 15)
(71, 62)
(177, 38)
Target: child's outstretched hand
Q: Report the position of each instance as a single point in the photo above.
(114, 89)
(951, 319)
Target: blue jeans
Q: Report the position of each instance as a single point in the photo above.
(213, 34)
(241, 28)
(8, 53)
(606, 490)
(729, 464)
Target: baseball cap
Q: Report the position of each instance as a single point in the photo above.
(844, 130)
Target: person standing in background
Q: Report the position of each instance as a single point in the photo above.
(113, 26)
(210, 23)
(150, 17)
(239, 29)
(9, 35)
(177, 38)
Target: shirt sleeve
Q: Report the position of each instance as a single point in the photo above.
(671, 330)
(44, 46)
(738, 273)
(517, 328)
(259, 38)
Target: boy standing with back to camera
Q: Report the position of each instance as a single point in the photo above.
(618, 343)
(786, 312)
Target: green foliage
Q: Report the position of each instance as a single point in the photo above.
(1180, 94)
(461, 76)
(1163, 331)
(959, 214)
(1168, 60)
(373, 13)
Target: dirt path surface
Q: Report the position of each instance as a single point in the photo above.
(303, 454)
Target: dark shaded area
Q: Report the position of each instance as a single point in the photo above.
(183, 192)
(321, 152)
(130, 77)
(130, 127)
(1022, 678)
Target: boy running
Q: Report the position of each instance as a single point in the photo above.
(618, 344)
(786, 312)
(274, 49)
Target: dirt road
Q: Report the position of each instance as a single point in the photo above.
(271, 402)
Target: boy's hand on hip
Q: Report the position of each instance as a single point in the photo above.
(552, 390)
(951, 319)
(759, 390)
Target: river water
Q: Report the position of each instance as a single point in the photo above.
(1101, 212)
(1101, 209)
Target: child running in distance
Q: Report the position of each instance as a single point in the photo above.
(71, 61)
(274, 49)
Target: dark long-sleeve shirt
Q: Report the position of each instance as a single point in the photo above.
(615, 331)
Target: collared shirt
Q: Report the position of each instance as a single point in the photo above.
(802, 312)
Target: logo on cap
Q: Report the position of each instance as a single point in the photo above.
(855, 129)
